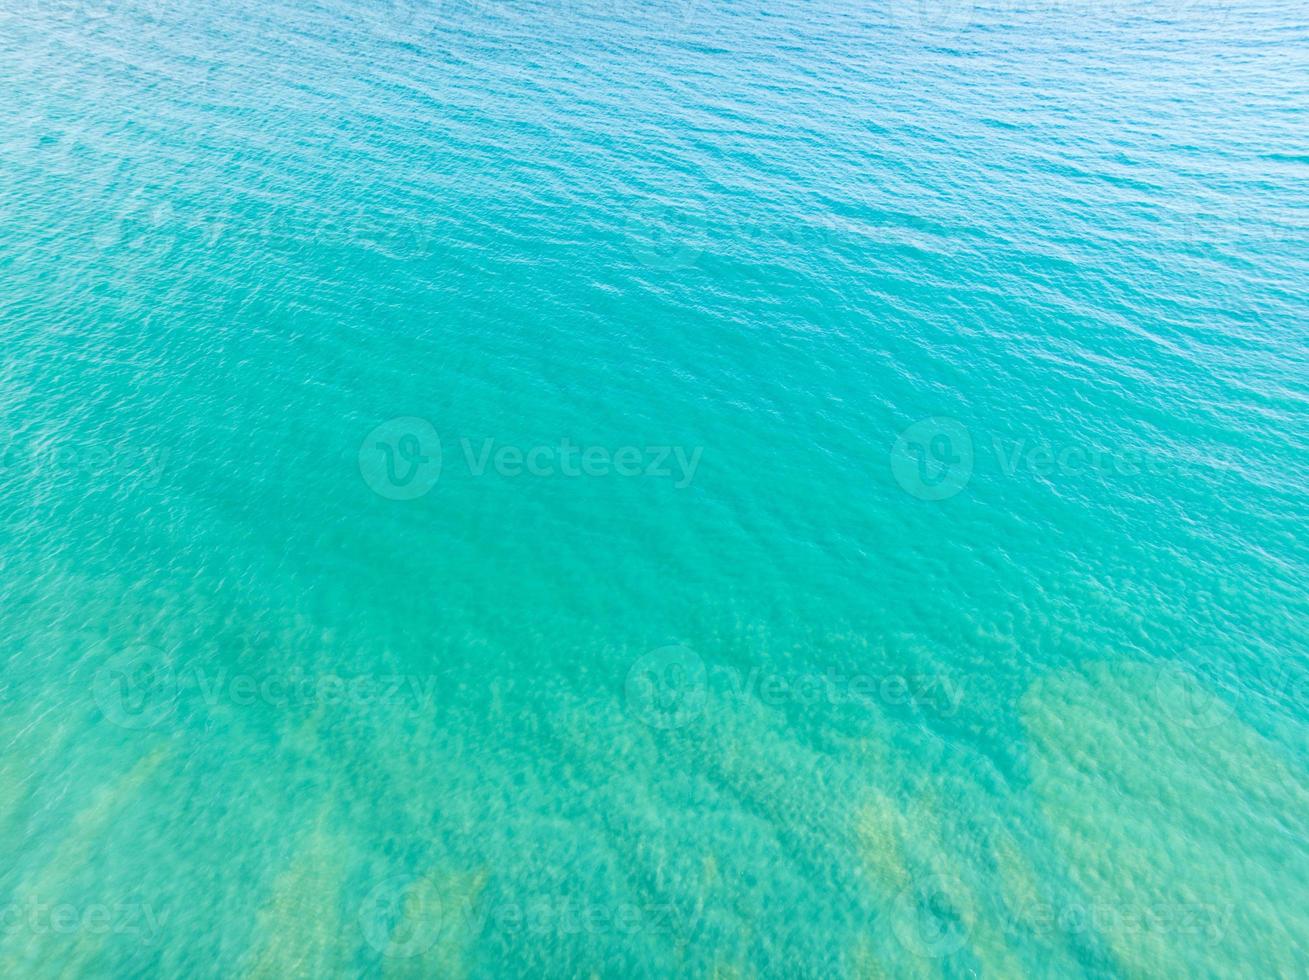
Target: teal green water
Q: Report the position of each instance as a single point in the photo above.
(614, 488)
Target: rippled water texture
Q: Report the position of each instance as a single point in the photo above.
(654, 488)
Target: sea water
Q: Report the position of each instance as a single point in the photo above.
(640, 488)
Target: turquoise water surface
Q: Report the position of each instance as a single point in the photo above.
(642, 488)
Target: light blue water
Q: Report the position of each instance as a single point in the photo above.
(607, 488)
